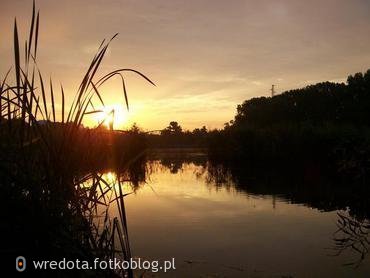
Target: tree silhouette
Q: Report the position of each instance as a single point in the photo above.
(173, 128)
(326, 122)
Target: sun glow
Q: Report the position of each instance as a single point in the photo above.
(114, 116)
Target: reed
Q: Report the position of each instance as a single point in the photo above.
(44, 156)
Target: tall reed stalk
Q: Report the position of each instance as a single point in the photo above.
(41, 160)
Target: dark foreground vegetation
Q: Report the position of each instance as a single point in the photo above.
(55, 199)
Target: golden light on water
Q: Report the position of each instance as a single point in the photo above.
(112, 179)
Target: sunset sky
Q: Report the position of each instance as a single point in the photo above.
(206, 56)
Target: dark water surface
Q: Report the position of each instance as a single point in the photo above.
(213, 228)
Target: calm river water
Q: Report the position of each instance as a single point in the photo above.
(214, 229)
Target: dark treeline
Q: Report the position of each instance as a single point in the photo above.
(315, 104)
(325, 124)
(173, 136)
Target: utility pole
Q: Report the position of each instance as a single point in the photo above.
(272, 90)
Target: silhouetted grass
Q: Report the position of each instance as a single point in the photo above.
(45, 157)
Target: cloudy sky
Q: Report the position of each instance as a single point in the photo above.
(205, 56)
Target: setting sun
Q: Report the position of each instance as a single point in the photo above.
(114, 115)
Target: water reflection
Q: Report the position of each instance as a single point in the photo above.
(232, 221)
(352, 235)
(310, 188)
(307, 186)
(103, 195)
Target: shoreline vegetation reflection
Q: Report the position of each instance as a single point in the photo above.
(351, 232)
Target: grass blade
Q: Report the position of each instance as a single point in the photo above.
(62, 103)
(31, 31)
(43, 96)
(52, 100)
(36, 35)
(16, 57)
